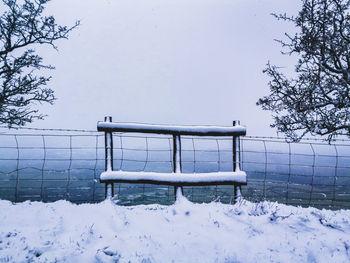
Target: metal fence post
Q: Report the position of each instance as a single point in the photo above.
(177, 161)
(237, 192)
(109, 189)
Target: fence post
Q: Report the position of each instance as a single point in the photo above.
(237, 192)
(109, 189)
(177, 161)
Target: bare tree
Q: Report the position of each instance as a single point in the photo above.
(316, 98)
(22, 27)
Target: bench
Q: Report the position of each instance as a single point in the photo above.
(237, 178)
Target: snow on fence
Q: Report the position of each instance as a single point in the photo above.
(66, 164)
(237, 178)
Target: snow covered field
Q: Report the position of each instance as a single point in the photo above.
(183, 232)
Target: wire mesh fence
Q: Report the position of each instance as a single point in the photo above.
(66, 165)
(304, 173)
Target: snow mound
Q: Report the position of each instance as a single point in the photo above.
(183, 232)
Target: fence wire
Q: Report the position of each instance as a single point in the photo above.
(62, 165)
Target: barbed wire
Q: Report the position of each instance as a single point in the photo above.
(247, 136)
(47, 129)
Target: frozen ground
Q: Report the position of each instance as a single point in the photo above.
(183, 232)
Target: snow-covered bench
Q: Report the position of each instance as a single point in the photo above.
(176, 178)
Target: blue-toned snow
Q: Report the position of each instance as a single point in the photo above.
(183, 232)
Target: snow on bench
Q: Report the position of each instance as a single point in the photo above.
(172, 129)
(176, 178)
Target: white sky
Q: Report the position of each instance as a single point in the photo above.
(165, 61)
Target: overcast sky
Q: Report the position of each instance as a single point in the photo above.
(165, 61)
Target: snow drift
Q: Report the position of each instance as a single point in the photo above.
(183, 232)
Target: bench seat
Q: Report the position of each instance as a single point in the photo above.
(183, 179)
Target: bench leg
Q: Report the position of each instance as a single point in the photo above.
(237, 192)
(109, 190)
(178, 190)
